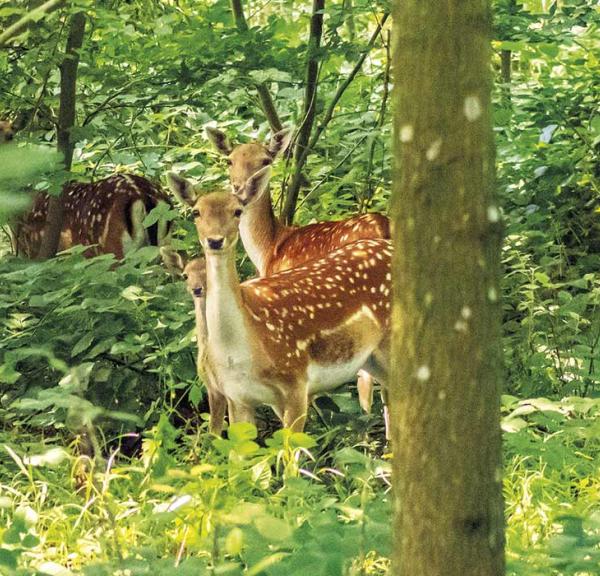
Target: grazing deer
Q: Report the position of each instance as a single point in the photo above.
(281, 339)
(7, 131)
(274, 247)
(194, 274)
(108, 213)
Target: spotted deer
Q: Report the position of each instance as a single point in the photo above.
(194, 274)
(7, 132)
(271, 245)
(106, 215)
(281, 339)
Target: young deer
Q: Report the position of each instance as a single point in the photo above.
(281, 339)
(274, 247)
(194, 274)
(108, 213)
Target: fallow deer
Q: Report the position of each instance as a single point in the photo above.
(281, 339)
(194, 274)
(7, 132)
(271, 245)
(106, 215)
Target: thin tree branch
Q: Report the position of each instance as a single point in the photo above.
(302, 151)
(32, 16)
(264, 95)
(381, 117)
(310, 98)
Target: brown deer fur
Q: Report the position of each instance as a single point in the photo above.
(7, 131)
(272, 246)
(107, 213)
(278, 340)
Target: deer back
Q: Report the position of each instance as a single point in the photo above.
(107, 213)
(324, 311)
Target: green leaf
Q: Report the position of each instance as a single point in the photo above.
(273, 528)
(241, 432)
(8, 558)
(83, 343)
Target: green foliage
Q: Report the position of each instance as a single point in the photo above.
(92, 353)
(84, 338)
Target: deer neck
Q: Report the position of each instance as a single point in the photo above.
(260, 231)
(201, 332)
(226, 322)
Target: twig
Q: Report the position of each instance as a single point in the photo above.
(304, 151)
(310, 96)
(34, 15)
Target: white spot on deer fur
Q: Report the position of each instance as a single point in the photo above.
(270, 326)
(406, 133)
(442, 395)
(492, 294)
(472, 108)
(460, 326)
(466, 312)
(423, 373)
(434, 150)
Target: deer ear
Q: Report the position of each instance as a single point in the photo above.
(173, 260)
(255, 186)
(219, 141)
(280, 141)
(182, 188)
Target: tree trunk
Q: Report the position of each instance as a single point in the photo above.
(446, 345)
(309, 112)
(66, 121)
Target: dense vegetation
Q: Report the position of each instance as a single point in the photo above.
(99, 359)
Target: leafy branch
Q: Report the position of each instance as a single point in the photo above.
(304, 145)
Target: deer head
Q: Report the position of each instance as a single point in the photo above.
(217, 215)
(245, 160)
(193, 272)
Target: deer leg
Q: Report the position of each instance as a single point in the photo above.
(377, 367)
(216, 405)
(240, 413)
(294, 415)
(364, 384)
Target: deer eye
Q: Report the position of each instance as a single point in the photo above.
(196, 213)
(238, 212)
(229, 162)
(266, 162)
(184, 276)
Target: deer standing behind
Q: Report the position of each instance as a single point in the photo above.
(194, 275)
(273, 246)
(281, 339)
(108, 214)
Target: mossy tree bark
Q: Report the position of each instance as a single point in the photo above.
(446, 321)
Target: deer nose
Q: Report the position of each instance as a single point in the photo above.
(9, 136)
(197, 291)
(215, 243)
